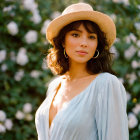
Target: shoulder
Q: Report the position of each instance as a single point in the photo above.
(111, 87)
(54, 82)
(107, 80)
(108, 77)
(110, 82)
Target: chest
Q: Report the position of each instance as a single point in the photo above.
(65, 94)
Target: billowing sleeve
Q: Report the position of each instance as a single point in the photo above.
(40, 115)
(39, 128)
(111, 117)
(52, 84)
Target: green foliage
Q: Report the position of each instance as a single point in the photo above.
(23, 77)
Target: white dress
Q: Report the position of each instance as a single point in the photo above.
(97, 113)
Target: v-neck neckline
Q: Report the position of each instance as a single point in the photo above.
(69, 102)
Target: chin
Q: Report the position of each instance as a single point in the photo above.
(80, 60)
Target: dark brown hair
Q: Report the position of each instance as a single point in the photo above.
(60, 65)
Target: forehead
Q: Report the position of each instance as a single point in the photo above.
(88, 25)
(81, 28)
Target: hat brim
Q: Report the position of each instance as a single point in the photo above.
(104, 22)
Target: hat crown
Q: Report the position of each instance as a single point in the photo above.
(82, 11)
(77, 8)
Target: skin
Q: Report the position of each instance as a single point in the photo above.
(75, 40)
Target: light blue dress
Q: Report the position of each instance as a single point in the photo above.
(97, 113)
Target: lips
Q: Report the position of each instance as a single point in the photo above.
(81, 52)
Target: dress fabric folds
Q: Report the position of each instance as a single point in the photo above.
(97, 113)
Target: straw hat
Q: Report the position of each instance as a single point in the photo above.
(82, 11)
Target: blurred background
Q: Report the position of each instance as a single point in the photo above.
(24, 75)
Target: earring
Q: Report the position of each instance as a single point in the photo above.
(66, 56)
(97, 54)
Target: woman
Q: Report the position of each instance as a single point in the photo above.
(86, 101)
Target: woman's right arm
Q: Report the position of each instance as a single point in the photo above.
(111, 115)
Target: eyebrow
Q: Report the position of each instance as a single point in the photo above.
(81, 31)
(76, 30)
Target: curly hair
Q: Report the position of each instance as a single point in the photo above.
(59, 64)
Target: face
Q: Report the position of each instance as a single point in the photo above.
(80, 45)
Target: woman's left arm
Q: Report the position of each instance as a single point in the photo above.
(111, 116)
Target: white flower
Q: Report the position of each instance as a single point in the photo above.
(44, 64)
(35, 73)
(2, 116)
(139, 53)
(99, 7)
(138, 6)
(139, 73)
(28, 117)
(9, 0)
(30, 5)
(117, 40)
(31, 36)
(22, 58)
(132, 120)
(128, 96)
(2, 55)
(130, 52)
(8, 9)
(3, 67)
(137, 25)
(113, 16)
(2, 129)
(19, 115)
(12, 56)
(12, 28)
(45, 42)
(113, 50)
(126, 2)
(136, 109)
(130, 37)
(8, 124)
(121, 80)
(36, 18)
(133, 37)
(138, 43)
(27, 108)
(131, 77)
(127, 39)
(135, 64)
(55, 14)
(18, 76)
(45, 25)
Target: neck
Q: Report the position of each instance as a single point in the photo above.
(76, 71)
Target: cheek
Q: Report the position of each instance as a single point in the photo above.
(93, 46)
(70, 44)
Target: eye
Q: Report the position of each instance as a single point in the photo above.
(75, 34)
(92, 37)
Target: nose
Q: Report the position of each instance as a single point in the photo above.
(84, 42)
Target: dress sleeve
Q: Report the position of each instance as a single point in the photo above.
(39, 116)
(52, 85)
(111, 117)
(39, 128)
(40, 119)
